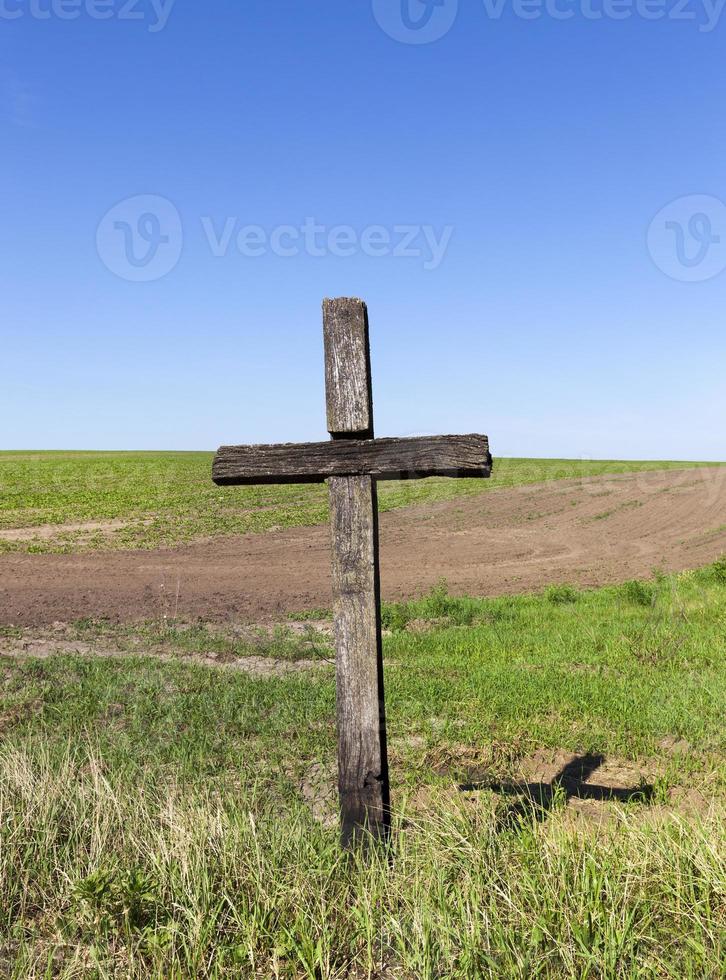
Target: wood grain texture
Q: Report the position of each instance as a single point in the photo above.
(384, 459)
(363, 783)
(348, 394)
(352, 462)
(362, 756)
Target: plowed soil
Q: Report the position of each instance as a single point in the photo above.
(586, 532)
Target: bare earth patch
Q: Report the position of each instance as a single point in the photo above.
(318, 787)
(593, 789)
(52, 532)
(51, 643)
(503, 541)
(590, 788)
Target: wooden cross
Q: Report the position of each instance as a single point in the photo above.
(352, 463)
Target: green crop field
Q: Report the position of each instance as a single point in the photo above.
(70, 501)
(166, 812)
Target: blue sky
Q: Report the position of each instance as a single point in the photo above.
(550, 293)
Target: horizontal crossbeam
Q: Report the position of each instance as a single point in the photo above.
(383, 459)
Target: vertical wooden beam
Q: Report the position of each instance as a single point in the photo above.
(348, 389)
(362, 754)
(362, 757)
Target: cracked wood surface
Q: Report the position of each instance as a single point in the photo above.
(384, 459)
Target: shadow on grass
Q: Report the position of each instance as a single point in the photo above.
(538, 799)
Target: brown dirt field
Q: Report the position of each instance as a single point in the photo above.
(587, 532)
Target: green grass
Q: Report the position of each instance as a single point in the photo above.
(153, 822)
(168, 498)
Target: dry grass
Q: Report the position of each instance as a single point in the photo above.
(101, 877)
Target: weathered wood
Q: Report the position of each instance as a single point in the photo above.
(348, 393)
(384, 459)
(363, 785)
(352, 463)
(362, 756)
